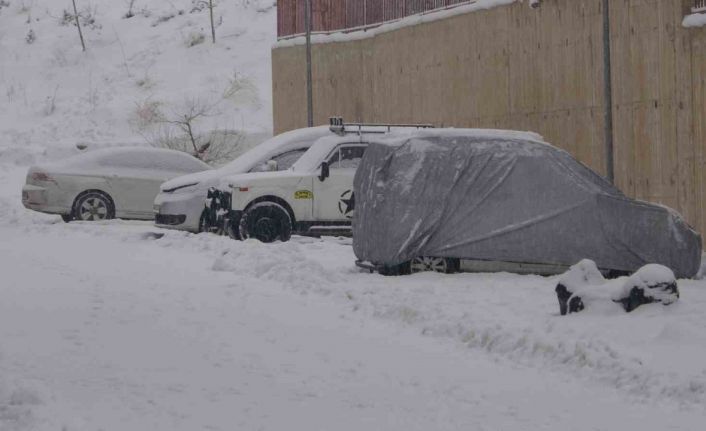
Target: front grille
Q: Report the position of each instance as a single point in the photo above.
(169, 220)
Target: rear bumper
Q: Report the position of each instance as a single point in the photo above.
(36, 198)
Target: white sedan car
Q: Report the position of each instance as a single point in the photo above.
(181, 202)
(104, 184)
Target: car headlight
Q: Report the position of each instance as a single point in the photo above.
(183, 188)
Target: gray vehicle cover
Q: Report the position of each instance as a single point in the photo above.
(504, 196)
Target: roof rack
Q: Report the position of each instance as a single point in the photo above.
(337, 126)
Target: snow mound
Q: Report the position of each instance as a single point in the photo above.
(285, 263)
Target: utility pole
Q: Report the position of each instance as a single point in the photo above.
(608, 94)
(78, 24)
(309, 79)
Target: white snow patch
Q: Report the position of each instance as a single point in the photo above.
(694, 20)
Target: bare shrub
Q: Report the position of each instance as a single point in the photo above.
(31, 37)
(84, 19)
(195, 38)
(217, 146)
(185, 120)
(146, 82)
(241, 90)
(147, 113)
(163, 18)
(24, 7)
(179, 129)
(50, 103)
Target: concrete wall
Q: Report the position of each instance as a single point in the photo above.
(531, 69)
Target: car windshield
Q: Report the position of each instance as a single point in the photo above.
(283, 161)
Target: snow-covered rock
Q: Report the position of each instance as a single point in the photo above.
(651, 283)
(583, 286)
(583, 282)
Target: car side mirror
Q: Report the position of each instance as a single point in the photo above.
(325, 172)
(272, 166)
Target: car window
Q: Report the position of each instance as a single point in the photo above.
(346, 157)
(284, 160)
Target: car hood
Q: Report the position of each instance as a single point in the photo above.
(203, 179)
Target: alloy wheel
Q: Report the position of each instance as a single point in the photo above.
(93, 209)
(427, 264)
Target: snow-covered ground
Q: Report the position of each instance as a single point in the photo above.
(121, 326)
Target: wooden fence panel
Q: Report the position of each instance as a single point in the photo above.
(335, 15)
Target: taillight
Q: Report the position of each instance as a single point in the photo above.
(41, 176)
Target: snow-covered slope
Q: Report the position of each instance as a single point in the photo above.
(53, 93)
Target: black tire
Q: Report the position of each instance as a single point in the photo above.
(395, 270)
(93, 206)
(267, 222)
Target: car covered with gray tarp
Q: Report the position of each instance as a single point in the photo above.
(505, 196)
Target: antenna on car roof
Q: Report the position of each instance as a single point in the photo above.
(339, 127)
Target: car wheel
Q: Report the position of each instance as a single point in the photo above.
(93, 206)
(266, 222)
(443, 265)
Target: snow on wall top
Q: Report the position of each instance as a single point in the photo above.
(694, 20)
(436, 15)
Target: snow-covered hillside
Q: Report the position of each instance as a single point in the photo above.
(159, 59)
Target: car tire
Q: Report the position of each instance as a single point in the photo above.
(395, 270)
(444, 265)
(267, 222)
(93, 206)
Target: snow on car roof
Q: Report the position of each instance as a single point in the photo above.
(123, 156)
(401, 137)
(256, 155)
(321, 148)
